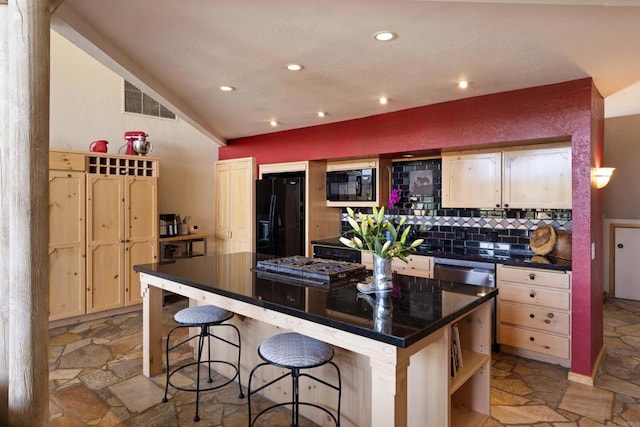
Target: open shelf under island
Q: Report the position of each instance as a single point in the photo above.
(395, 371)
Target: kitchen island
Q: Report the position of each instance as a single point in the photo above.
(394, 352)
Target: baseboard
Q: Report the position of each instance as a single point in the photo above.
(589, 380)
(93, 316)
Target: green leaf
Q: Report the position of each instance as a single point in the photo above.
(392, 231)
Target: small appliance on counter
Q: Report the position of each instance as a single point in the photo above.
(168, 225)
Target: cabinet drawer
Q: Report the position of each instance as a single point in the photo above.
(534, 295)
(417, 265)
(532, 276)
(534, 340)
(66, 161)
(534, 317)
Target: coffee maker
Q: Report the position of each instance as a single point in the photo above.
(168, 225)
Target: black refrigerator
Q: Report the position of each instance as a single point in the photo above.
(280, 200)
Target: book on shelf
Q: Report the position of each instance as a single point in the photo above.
(456, 350)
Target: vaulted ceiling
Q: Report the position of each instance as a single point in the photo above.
(181, 52)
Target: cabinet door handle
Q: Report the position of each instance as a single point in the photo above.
(497, 205)
(547, 321)
(532, 294)
(532, 339)
(506, 205)
(532, 315)
(547, 347)
(550, 315)
(532, 276)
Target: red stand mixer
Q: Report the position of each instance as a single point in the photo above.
(137, 143)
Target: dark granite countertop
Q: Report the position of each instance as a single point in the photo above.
(416, 308)
(491, 253)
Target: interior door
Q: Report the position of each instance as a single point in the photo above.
(627, 259)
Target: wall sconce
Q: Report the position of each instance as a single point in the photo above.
(602, 176)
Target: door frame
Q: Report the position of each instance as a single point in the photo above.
(612, 254)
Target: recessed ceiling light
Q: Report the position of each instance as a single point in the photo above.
(294, 67)
(225, 88)
(273, 123)
(383, 100)
(385, 36)
(463, 84)
(407, 156)
(321, 113)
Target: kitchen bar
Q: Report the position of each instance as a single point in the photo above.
(394, 352)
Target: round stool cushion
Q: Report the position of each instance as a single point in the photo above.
(202, 314)
(293, 350)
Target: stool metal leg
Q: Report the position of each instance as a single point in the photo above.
(295, 392)
(204, 333)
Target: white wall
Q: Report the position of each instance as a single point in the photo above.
(86, 105)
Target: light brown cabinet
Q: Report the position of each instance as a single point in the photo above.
(534, 313)
(67, 244)
(538, 178)
(234, 205)
(102, 220)
(416, 265)
(472, 180)
(121, 232)
(526, 178)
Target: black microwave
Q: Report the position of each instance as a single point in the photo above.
(354, 185)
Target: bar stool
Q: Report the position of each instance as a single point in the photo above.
(204, 317)
(294, 352)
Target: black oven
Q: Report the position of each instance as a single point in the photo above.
(337, 253)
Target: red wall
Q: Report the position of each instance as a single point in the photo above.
(572, 110)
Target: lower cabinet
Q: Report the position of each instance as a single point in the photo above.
(121, 232)
(416, 265)
(102, 221)
(67, 249)
(534, 313)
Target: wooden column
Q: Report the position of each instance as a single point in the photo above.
(29, 45)
(4, 207)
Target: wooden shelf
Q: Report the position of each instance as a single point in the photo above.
(462, 416)
(178, 247)
(183, 238)
(472, 361)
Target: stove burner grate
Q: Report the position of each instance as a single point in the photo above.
(318, 271)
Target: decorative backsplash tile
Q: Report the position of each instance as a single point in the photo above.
(421, 184)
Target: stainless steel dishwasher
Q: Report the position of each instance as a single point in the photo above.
(472, 273)
(464, 271)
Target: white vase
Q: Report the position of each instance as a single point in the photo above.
(382, 275)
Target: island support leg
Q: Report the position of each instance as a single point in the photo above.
(389, 393)
(151, 329)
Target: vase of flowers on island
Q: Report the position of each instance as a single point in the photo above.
(384, 240)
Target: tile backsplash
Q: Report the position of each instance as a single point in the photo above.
(420, 182)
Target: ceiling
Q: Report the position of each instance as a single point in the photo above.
(181, 52)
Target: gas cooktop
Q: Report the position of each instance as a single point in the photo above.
(317, 272)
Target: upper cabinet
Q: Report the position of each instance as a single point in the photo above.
(537, 178)
(471, 180)
(358, 182)
(531, 178)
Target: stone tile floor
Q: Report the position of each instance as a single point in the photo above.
(96, 380)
